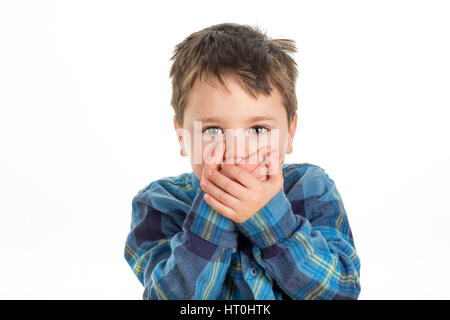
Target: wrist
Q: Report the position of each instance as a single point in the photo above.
(272, 223)
(209, 224)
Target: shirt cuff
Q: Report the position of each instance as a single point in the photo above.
(209, 224)
(272, 223)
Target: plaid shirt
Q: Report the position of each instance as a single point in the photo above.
(298, 246)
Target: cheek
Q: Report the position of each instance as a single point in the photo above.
(271, 139)
(279, 141)
(254, 142)
(283, 145)
(199, 156)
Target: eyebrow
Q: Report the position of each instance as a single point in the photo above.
(250, 119)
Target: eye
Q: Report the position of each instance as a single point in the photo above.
(259, 130)
(212, 130)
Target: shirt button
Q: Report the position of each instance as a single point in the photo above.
(253, 272)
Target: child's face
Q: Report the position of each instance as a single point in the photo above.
(233, 114)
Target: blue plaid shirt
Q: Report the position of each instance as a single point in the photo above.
(298, 246)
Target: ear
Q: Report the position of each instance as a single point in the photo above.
(292, 134)
(179, 137)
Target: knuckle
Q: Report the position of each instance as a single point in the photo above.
(231, 172)
(221, 196)
(240, 175)
(227, 168)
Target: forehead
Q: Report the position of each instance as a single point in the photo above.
(211, 99)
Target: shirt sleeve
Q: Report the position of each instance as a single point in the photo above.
(306, 244)
(173, 261)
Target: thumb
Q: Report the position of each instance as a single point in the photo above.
(217, 154)
(213, 151)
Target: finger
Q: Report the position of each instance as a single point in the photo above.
(260, 171)
(213, 156)
(210, 187)
(228, 185)
(242, 176)
(273, 162)
(216, 154)
(255, 158)
(263, 163)
(252, 162)
(219, 207)
(276, 175)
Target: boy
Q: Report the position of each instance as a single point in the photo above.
(241, 225)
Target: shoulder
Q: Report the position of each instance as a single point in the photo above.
(304, 172)
(297, 170)
(167, 193)
(309, 179)
(313, 194)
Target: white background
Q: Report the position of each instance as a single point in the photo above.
(86, 121)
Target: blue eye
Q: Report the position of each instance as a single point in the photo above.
(260, 130)
(211, 131)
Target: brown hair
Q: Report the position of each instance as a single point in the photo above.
(245, 52)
